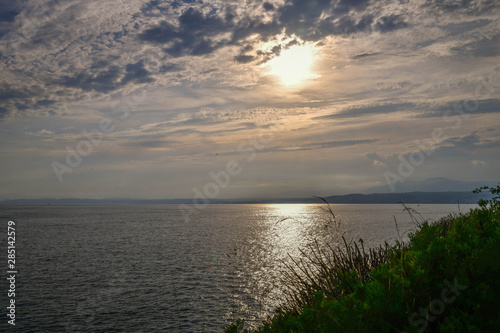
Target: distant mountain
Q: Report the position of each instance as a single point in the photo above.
(74, 201)
(374, 198)
(431, 185)
(410, 198)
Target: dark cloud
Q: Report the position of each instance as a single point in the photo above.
(313, 21)
(136, 73)
(321, 145)
(345, 6)
(356, 4)
(155, 8)
(375, 157)
(149, 144)
(464, 141)
(249, 124)
(8, 11)
(457, 108)
(105, 77)
(471, 141)
(340, 143)
(191, 36)
(14, 99)
(45, 103)
(103, 80)
(345, 25)
(3, 112)
(197, 33)
(7, 92)
(312, 146)
(302, 11)
(301, 17)
(488, 47)
(369, 110)
(449, 5)
(170, 67)
(365, 55)
(470, 7)
(390, 23)
(457, 28)
(268, 6)
(243, 59)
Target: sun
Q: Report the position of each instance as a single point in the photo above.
(294, 66)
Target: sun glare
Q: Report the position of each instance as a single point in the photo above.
(294, 66)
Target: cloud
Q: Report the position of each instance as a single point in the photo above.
(485, 47)
(149, 144)
(8, 12)
(387, 69)
(468, 7)
(10, 9)
(103, 80)
(346, 5)
(16, 97)
(365, 55)
(375, 157)
(7, 92)
(93, 49)
(136, 73)
(268, 6)
(313, 146)
(170, 67)
(197, 33)
(41, 133)
(243, 59)
(3, 112)
(103, 76)
(390, 23)
(369, 110)
(456, 108)
(479, 163)
(191, 35)
(471, 141)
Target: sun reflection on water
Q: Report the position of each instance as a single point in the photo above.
(284, 230)
(296, 226)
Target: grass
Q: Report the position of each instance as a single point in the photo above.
(444, 279)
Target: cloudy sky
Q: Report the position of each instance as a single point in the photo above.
(249, 98)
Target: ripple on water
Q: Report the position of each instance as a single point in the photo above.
(143, 269)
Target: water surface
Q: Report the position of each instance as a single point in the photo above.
(143, 268)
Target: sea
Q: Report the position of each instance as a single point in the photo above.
(148, 268)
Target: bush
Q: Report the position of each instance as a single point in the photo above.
(444, 280)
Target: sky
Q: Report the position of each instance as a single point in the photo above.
(245, 99)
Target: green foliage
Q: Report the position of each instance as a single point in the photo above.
(237, 327)
(444, 280)
(493, 202)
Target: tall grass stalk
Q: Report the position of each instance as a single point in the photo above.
(329, 271)
(396, 288)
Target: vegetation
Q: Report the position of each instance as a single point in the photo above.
(445, 279)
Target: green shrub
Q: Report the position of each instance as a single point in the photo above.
(446, 279)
